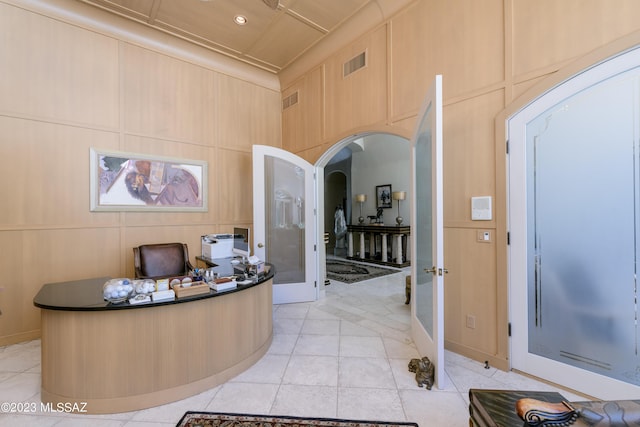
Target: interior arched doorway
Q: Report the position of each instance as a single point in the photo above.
(389, 151)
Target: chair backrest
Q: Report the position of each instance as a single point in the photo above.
(161, 260)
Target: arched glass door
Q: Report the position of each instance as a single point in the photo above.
(574, 212)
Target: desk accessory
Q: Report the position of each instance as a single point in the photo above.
(117, 290)
(162, 284)
(166, 295)
(223, 284)
(144, 286)
(190, 289)
(140, 299)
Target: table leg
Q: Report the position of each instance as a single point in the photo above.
(361, 245)
(383, 236)
(399, 250)
(350, 244)
(372, 245)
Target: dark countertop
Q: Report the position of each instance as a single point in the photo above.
(86, 294)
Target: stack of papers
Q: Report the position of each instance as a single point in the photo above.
(140, 299)
(169, 294)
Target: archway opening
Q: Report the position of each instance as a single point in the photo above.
(365, 160)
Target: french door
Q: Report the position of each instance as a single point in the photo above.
(427, 249)
(284, 222)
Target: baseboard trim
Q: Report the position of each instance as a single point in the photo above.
(18, 338)
(494, 360)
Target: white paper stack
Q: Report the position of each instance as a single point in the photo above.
(140, 299)
(169, 294)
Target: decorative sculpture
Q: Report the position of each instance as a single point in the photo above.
(377, 218)
(425, 371)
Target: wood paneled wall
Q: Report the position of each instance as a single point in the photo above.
(488, 52)
(66, 88)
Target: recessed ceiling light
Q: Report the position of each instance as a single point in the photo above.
(240, 19)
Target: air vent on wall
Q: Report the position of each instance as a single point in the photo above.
(354, 64)
(290, 100)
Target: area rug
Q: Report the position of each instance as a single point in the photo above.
(350, 272)
(218, 419)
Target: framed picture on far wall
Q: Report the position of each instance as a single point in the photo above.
(139, 182)
(383, 196)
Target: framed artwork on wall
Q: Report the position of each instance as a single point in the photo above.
(123, 181)
(383, 196)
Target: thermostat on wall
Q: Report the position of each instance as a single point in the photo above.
(481, 208)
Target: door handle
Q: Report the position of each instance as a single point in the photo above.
(260, 245)
(435, 270)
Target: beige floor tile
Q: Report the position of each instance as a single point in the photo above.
(370, 404)
(366, 372)
(312, 370)
(318, 345)
(244, 398)
(306, 401)
(351, 346)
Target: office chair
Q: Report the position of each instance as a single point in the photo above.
(161, 260)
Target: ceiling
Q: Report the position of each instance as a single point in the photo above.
(271, 39)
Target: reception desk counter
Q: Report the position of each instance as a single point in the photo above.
(108, 358)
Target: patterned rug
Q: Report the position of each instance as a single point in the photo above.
(217, 419)
(350, 272)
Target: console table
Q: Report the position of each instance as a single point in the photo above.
(381, 250)
(112, 358)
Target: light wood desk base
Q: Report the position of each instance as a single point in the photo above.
(111, 361)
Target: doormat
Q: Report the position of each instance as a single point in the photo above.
(349, 272)
(218, 419)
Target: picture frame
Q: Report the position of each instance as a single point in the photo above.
(122, 181)
(383, 196)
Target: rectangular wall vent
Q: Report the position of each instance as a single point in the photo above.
(290, 100)
(354, 64)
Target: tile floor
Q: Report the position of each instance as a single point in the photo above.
(343, 356)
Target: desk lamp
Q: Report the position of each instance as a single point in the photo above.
(361, 198)
(399, 195)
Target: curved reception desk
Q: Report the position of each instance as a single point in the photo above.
(108, 358)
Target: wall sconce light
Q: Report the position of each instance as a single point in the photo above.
(361, 198)
(399, 195)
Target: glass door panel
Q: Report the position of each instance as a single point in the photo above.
(427, 309)
(582, 175)
(283, 222)
(574, 220)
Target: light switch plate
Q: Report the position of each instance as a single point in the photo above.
(484, 236)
